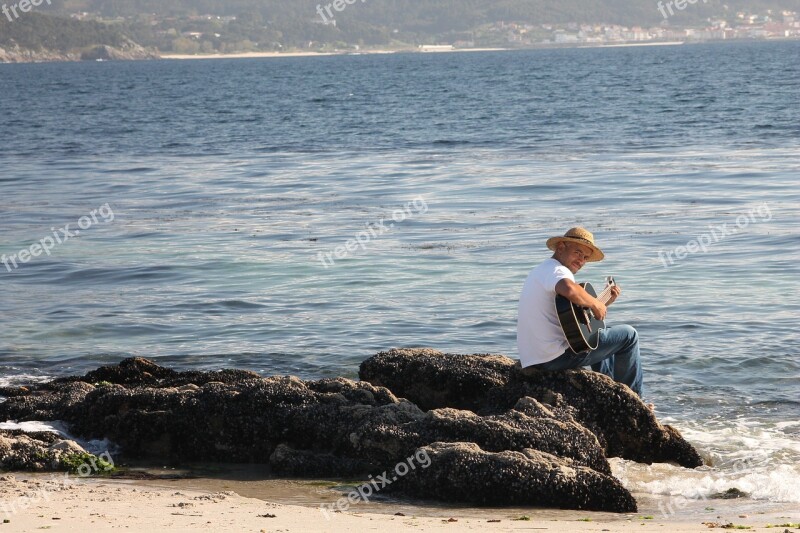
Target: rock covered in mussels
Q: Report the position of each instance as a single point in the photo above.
(489, 384)
(245, 418)
(452, 471)
(338, 427)
(44, 451)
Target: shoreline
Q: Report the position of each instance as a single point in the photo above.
(255, 55)
(542, 46)
(263, 55)
(176, 505)
(629, 488)
(63, 57)
(628, 45)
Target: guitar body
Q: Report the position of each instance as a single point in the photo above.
(581, 328)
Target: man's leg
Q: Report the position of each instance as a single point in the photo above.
(617, 356)
(565, 361)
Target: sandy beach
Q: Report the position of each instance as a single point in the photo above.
(247, 55)
(187, 483)
(30, 502)
(253, 55)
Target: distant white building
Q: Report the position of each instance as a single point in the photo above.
(436, 47)
(561, 37)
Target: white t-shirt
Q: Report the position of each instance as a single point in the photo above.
(539, 335)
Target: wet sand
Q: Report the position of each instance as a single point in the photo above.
(43, 501)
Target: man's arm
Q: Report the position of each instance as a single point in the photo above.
(578, 295)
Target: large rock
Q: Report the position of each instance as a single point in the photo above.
(239, 416)
(462, 472)
(488, 384)
(477, 413)
(126, 51)
(43, 451)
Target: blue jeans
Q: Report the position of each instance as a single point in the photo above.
(616, 356)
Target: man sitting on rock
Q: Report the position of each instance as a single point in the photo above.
(541, 342)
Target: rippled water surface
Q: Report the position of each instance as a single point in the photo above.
(226, 180)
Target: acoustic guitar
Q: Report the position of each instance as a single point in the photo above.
(580, 327)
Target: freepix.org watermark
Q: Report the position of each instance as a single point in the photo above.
(364, 237)
(679, 4)
(60, 236)
(373, 486)
(24, 6)
(716, 234)
(338, 5)
(92, 465)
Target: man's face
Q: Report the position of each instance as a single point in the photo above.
(572, 255)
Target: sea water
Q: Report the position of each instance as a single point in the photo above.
(226, 183)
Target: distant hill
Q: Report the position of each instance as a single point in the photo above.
(37, 37)
(295, 23)
(184, 26)
(436, 15)
(35, 31)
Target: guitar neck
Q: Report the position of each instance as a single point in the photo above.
(605, 294)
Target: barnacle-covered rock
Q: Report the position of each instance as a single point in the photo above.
(491, 384)
(476, 415)
(463, 472)
(44, 451)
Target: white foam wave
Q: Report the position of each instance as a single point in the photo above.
(779, 483)
(757, 457)
(95, 446)
(22, 379)
(33, 426)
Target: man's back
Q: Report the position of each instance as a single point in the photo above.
(539, 335)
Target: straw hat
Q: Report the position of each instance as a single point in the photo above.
(580, 236)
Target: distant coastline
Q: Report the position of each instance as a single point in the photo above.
(625, 45)
(249, 55)
(106, 53)
(444, 50)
